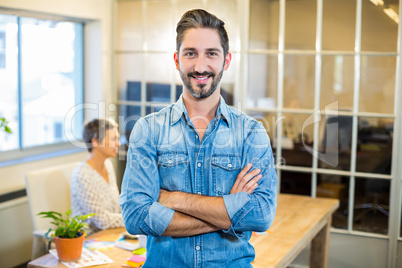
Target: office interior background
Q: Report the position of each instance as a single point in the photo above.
(322, 75)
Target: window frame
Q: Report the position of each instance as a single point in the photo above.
(37, 152)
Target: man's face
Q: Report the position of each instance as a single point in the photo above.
(201, 61)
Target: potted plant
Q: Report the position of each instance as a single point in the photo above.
(4, 125)
(69, 236)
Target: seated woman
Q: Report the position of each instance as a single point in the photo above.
(93, 184)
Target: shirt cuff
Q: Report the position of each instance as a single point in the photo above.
(237, 206)
(158, 219)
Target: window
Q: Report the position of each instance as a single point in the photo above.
(41, 80)
(2, 50)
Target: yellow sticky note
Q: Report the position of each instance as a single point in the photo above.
(139, 251)
(134, 264)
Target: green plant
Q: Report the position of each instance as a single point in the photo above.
(67, 227)
(4, 125)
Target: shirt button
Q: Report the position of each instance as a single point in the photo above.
(230, 165)
(196, 136)
(197, 247)
(170, 161)
(199, 193)
(199, 164)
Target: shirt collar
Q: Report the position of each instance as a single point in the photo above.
(179, 109)
(223, 110)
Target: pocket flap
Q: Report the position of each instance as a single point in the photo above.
(172, 159)
(227, 162)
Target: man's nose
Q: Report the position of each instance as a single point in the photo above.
(200, 65)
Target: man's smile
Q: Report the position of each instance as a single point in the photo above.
(201, 78)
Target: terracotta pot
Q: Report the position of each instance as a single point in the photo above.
(69, 249)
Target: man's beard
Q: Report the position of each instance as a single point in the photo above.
(204, 91)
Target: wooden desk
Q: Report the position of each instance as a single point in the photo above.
(299, 220)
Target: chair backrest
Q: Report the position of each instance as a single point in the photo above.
(48, 189)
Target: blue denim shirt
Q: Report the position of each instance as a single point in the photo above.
(166, 153)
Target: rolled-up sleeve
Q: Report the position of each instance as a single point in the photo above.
(142, 214)
(255, 211)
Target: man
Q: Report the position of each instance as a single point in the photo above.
(184, 185)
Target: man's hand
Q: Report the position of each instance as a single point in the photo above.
(197, 214)
(246, 182)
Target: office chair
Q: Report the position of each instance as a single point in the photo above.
(375, 188)
(377, 161)
(48, 189)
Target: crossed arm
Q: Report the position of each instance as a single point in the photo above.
(197, 214)
(148, 210)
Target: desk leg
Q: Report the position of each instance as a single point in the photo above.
(320, 247)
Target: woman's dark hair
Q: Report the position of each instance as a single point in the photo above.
(96, 129)
(200, 18)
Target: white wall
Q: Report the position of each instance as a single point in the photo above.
(350, 251)
(15, 222)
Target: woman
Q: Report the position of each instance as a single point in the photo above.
(93, 184)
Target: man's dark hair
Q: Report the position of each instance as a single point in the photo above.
(200, 18)
(96, 129)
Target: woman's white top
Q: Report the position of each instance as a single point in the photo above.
(91, 193)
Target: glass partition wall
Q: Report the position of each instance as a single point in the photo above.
(321, 75)
(329, 70)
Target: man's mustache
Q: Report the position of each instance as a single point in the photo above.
(200, 74)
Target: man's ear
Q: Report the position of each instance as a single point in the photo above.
(176, 60)
(228, 59)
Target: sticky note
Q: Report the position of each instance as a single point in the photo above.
(137, 258)
(139, 251)
(133, 264)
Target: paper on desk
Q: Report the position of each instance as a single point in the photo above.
(98, 245)
(127, 245)
(88, 258)
(102, 242)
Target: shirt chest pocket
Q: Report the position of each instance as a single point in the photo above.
(174, 171)
(225, 169)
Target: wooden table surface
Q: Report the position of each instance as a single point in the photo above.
(299, 220)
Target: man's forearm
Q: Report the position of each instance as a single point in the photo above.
(185, 225)
(210, 209)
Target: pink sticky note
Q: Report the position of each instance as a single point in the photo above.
(137, 258)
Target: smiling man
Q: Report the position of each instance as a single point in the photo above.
(200, 175)
(204, 71)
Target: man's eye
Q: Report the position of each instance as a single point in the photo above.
(190, 54)
(212, 54)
